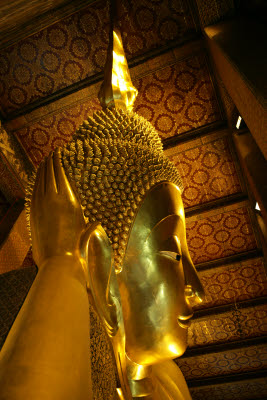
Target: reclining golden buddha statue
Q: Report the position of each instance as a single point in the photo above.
(107, 227)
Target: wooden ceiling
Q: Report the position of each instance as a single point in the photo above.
(49, 83)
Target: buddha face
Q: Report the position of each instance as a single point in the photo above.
(157, 280)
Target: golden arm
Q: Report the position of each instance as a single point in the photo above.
(46, 355)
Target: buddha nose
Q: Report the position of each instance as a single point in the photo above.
(193, 286)
(187, 313)
(188, 291)
(191, 295)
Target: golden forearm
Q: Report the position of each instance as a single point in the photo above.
(46, 355)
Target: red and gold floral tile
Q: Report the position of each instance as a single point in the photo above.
(220, 234)
(178, 98)
(233, 283)
(252, 358)
(75, 47)
(44, 132)
(228, 326)
(241, 390)
(54, 130)
(208, 170)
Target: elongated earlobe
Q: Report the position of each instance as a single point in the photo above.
(97, 254)
(102, 283)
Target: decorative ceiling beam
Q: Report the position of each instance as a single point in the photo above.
(193, 45)
(229, 307)
(194, 133)
(218, 203)
(235, 258)
(31, 17)
(216, 380)
(44, 101)
(243, 77)
(223, 347)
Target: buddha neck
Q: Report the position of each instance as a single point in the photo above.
(140, 380)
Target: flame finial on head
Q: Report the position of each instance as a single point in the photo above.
(116, 156)
(117, 90)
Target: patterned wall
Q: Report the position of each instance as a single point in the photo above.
(16, 246)
(233, 283)
(178, 98)
(15, 157)
(207, 168)
(246, 390)
(14, 288)
(228, 326)
(238, 360)
(40, 65)
(219, 234)
(163, 90)
(10, 185)
(176, 93)
(54, 130)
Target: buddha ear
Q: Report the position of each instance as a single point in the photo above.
(97, 255)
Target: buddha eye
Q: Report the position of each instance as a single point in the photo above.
(171, 254)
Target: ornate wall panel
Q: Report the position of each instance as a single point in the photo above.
(15, 248)
(15, 156)
(233, 283)
(178, 98)
(198, 107)
(54, 130)
(255, 389)
(220, 234)
(228, 326)
(75, 47)
(147, 24)
(176, 94)
(10, 186)
(232, 361)
(207, 169)
(14, 287)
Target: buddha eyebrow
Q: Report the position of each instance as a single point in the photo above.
(170, 217)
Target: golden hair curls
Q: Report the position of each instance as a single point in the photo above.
(114, 159)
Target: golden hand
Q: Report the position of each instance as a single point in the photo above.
(56, 216)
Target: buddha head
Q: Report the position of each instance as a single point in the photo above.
(127, 185)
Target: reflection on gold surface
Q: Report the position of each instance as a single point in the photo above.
(107, 221)
(113, 169)
(117, 90)
(120, 394)
(140, 277)
(121, 80)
